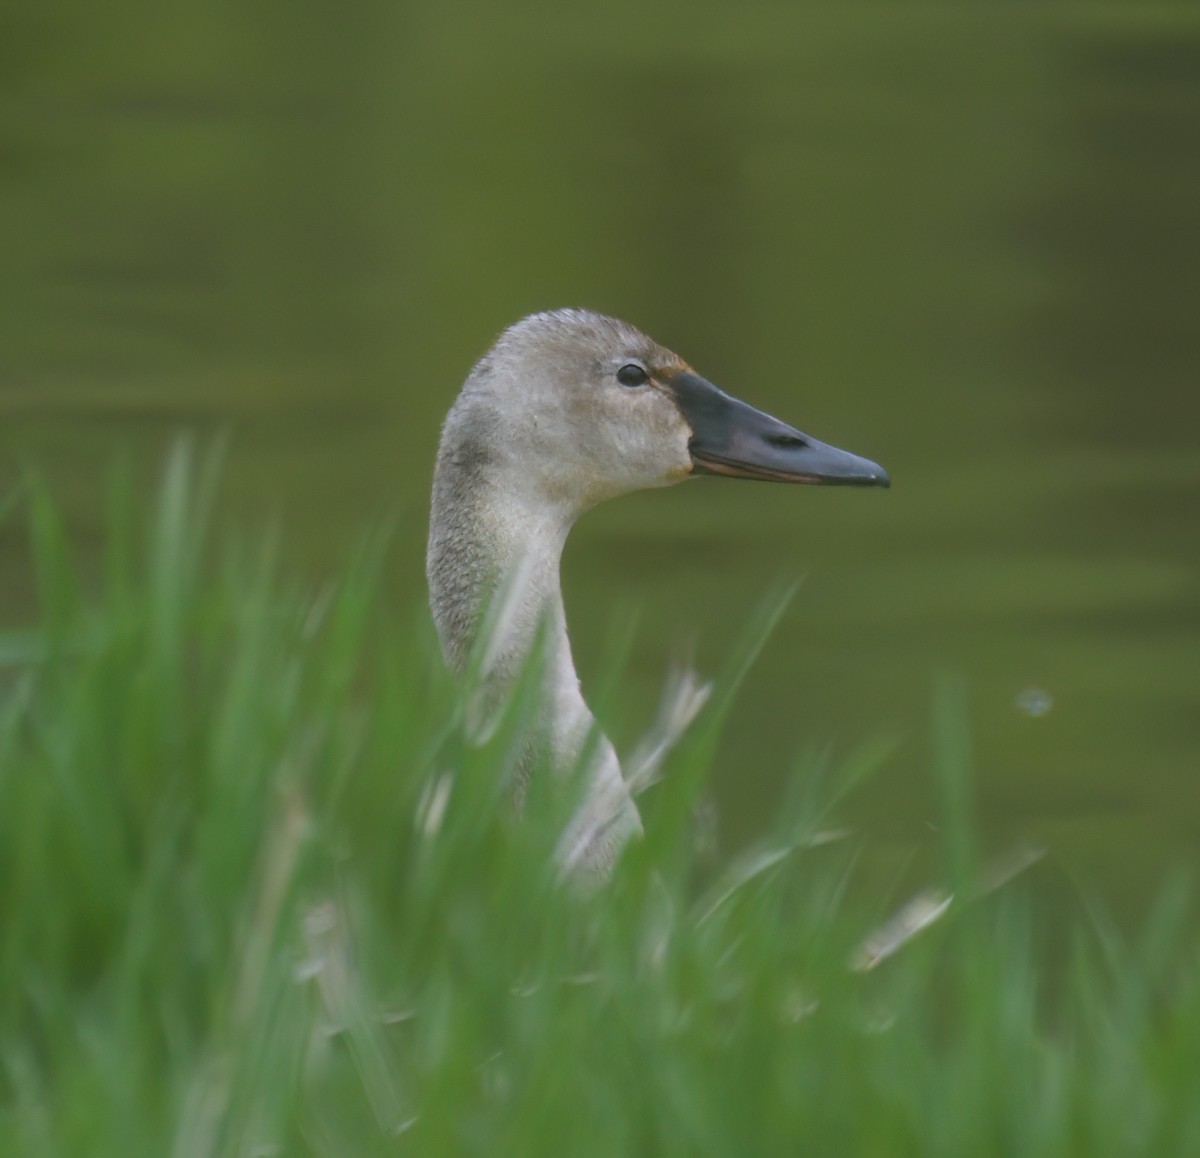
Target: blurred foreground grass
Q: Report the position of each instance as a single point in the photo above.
(259, 897)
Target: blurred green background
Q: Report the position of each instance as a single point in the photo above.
(963, 240)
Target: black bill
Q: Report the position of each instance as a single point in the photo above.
(730, 437)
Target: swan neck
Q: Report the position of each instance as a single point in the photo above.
(495, 550)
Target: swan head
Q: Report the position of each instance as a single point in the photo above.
(584, 407)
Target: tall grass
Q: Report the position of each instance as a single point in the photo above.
(260, 895)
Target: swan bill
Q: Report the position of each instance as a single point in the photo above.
(732, 438)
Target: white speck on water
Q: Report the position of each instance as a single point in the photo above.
(1034, 701)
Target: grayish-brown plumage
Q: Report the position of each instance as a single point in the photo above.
(569, 408)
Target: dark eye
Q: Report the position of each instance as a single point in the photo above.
(632, 375)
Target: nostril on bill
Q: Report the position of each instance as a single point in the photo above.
(786, 440)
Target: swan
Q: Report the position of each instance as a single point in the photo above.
(569, 408)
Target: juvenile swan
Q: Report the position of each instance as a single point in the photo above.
(567, 409)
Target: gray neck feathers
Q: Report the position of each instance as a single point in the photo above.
(495, 539)
(495, 542)
(484, 535)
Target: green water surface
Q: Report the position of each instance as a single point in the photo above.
(961, 240)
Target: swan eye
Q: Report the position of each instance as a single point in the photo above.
(632, 375)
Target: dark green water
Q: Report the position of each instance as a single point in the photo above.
(962, 241)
